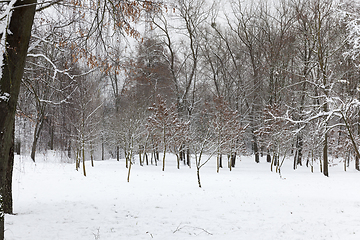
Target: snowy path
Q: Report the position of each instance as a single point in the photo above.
(53, 201)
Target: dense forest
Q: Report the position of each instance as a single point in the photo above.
(194, 78)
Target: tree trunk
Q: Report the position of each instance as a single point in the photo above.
(178, 161)
(69, 149)
(164, 141)
(12, 71)
(256, 150)
(102, 151)
(228, 161)
(357, 163)
(220, 161)
(233, 159)
(117, 153)
(129, 170)
(51, 130)
(325, 157)
(198, 176)
(182, 154)
(126, 158)
(272, 162)
(188, 157)
(92, 157)
(7, 197)
(83, 157)
(33, 148)
(163, 160)
(77, 160)
(312, 161)
(37, 131)
(298, 152)
(140, 158)
(51, 137)
(268, 157)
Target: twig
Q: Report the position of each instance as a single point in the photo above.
(179, 228)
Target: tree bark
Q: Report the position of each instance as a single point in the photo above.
(13, 64)
(37, 131)
(268, 157)
(7, 197)
(256, 150)
(51, 137)
(298, 152)
(102, 151)
(163, 160)
(188, 158)
(117, 153)
(198, 176)
(325, 157)
(233, 159)
(146, 158)
(83, 157)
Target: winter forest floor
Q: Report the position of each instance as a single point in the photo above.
(53, 201)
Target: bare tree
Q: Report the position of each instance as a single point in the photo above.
(165, 126)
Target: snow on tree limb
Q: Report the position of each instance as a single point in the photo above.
(4, 31)
(352, 21)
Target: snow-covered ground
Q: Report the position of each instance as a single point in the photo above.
(53, 201)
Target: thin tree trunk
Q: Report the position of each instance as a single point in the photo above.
(188, 162)
(197, 162)
(51, 136)
(117, 153)
(33, 149)
(102, 151)
(345, 165)
(126, 158)
(268, 157)
(321, 165)
(272, 162)
(130, 156)
(295, 159)
(178, 161)
(38, 127)
(256, 150)
(92, 158)
(312, 161)
(83, 157)
(140, 158)
(163, 167)
(164, 140)
(69, 150)
(146, 158)
(77, 161)
(182, 154)
(228, 161)
(233, 159)
(129, 170)
(325, 157)
(198, 177)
